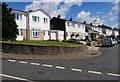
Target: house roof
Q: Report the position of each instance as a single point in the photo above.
(90, 30)
(19, 10)
(41, 11)
(32, 11)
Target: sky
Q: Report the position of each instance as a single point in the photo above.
(103, 12)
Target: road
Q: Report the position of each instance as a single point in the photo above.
(103, 67)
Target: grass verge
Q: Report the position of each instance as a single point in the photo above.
(47, 43)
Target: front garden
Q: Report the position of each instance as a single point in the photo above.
(47, 43)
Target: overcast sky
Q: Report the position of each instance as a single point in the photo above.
(104, 12)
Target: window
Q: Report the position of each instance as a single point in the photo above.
(46, 32)
(35, 32)
(78, 25)
(35, 18)
(73, 25)
(68, 23)
(20, 32)
(66, 33)
(45, 20)
(74, 33)
(18, 16)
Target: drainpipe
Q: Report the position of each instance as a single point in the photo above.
(28, 28)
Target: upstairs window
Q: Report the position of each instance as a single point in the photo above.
(35, 18)
(78, 25)
(73, 24)
(45, 20)
(68, 24)
(18, 16)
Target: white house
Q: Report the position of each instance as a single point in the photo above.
(32, 25)
(20, 18)
(68, 28)
(115, 32)
(74, 28)
(108, 32)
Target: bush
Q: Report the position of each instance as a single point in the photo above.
(118, 36)
(51, 40)
(77, 35)
(70, 41)
(72, 35)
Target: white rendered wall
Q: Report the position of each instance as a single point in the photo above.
(39, 25)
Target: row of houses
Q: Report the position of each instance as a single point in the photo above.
(38, 25)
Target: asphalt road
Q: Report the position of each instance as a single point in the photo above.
(103, 67)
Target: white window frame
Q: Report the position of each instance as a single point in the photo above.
(35, 18)
(35, 33)
(18, 16)
(45, 20)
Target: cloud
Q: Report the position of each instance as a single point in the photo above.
(86, 16)
(116, 25)
(98, 13)
(53, 8)
(116, 6)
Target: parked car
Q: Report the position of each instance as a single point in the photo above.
(78, 40)
(107, 42)
(118, 41)
(115, 40)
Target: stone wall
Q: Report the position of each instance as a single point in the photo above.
(40, 50)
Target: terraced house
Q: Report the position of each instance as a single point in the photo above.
(38, 25)
(32, 25)
(71, 28)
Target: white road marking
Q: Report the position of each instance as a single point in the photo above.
(12, 60)
(73, 69)
(13, 77)
(35, 63)
(95, 72)
(113, 74)
(59, 67)
(23, 62)
(46, 65)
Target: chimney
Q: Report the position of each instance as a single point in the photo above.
(84, 22)
(70, 19)
(30, 11)
(91, 24)
(59, 16)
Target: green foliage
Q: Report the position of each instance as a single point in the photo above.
(101, 36)
(118, 36)
(9, 26)
(70, 41)
(112, 36)
(77, 35)
(49, 43)
(51, 40)
(72, 35)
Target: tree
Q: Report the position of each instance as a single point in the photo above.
(9, 26)
(0, 21)
(72, 35)
(77, 35)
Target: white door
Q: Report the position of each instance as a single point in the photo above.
(46, 35)
(53, 35)
(61, 35)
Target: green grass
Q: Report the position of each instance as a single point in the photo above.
(49, 43)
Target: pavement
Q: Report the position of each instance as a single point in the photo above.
(90, 52)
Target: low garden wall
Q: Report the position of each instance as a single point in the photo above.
(40, 50)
